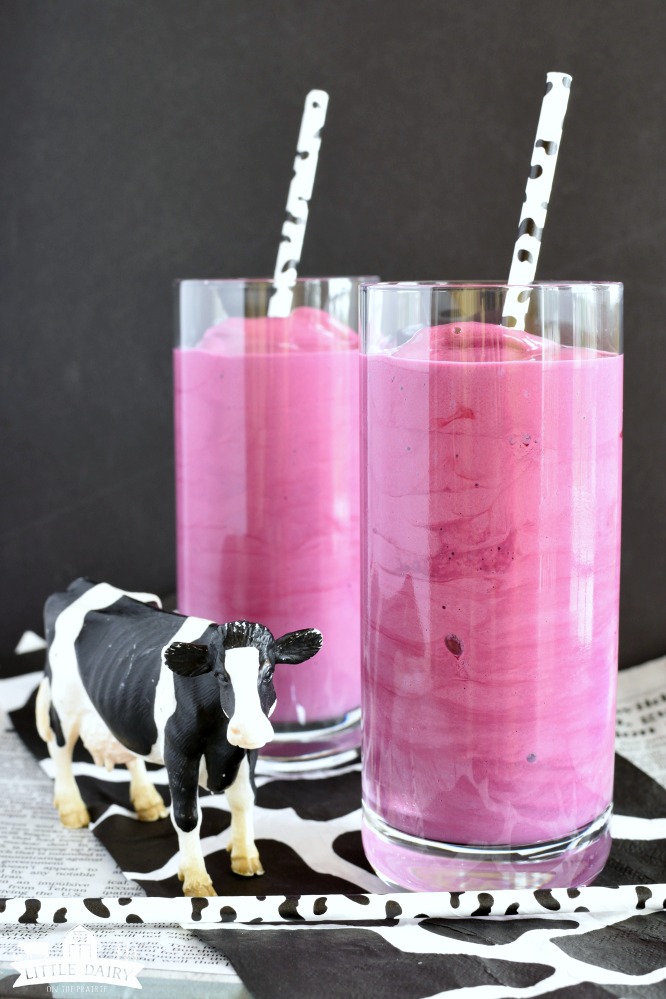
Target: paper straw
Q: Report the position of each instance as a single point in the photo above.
(263, 910)
(537, 194)
(300, 192)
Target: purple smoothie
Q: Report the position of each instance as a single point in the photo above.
(492, 506)
(267, 494)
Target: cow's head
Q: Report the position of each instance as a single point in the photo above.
(242, 656)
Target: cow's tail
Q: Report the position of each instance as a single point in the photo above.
(43, 710)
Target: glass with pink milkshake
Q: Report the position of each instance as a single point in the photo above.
(490, 497)
(267, 476)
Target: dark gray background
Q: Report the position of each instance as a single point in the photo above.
(148, 140)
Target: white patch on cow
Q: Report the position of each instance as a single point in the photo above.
(240, 796)
(191, 864)
(249, 727)
(190, 630)
(68, 695)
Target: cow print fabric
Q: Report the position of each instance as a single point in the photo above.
(309, 839)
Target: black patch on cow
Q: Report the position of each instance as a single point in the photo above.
(349, 846)
(319, 907)
(133, 918)
(188, 658)
(309, 962)
(228, 914)
(119, 655)
(492, 932)
(318, 800)
(97, 907)
(60, 915)
(222, 759)
(634, 946)
(54, 722)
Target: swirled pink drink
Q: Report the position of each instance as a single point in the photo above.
(267, 493)
(490, 635)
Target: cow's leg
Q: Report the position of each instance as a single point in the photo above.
(145, 797)
(66, 795)
(60, 744)
(240, 795)
(186, 817)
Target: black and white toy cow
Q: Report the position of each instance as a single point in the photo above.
(137, 683)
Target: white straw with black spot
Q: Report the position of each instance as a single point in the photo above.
(537, 195)
(298, 201)
(265, 910)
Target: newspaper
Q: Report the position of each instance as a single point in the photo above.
(641, 718)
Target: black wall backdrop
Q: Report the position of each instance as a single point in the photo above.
(149, 140)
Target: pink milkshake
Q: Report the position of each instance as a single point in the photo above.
(267, 496)
(490, 600)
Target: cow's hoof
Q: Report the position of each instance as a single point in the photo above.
(247, 867)
(148, 804)
(74, 818)
(151, 813)
(193, 887)
(199, 890)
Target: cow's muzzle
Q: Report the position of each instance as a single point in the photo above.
(252, 736)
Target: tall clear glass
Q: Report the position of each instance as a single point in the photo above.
(491, 484)
(267, 488)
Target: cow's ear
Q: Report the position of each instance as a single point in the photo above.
(188, 659)
(297, 646)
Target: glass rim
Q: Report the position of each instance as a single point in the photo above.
(368, 279)
(486, 285)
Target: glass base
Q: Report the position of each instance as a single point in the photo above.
(298, 747)
(405, 861)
